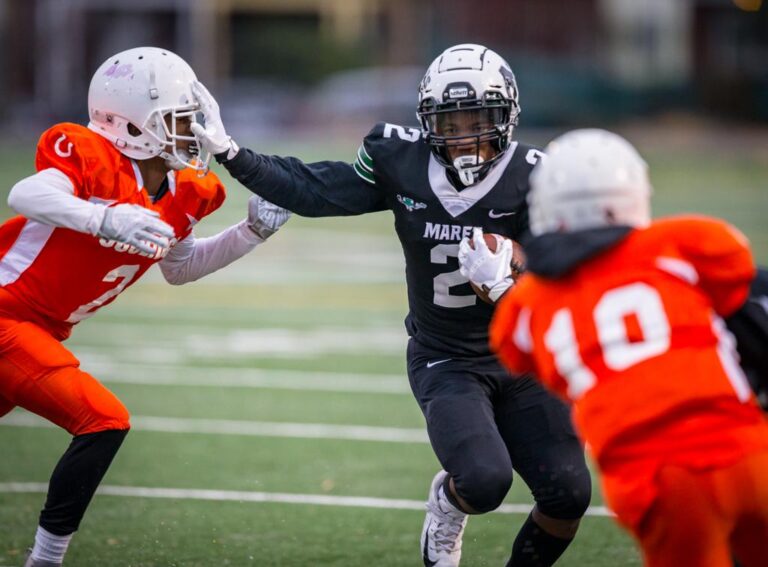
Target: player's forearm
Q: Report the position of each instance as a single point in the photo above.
(309, 190)
(48, 197)
(194, 258)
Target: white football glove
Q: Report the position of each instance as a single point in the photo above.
(488, 270)
(265, 218)
(136, 226)
(212, 137)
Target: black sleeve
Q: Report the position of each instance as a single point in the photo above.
(750, 327)
(322, 189)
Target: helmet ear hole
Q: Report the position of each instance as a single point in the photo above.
(133, 130)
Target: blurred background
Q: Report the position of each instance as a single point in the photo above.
(285, 65)
(281, 379)
(685, 80)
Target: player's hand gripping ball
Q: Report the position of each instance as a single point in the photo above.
(493, 271)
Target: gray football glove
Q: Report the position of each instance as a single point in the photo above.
(265, 218)
(136, 226)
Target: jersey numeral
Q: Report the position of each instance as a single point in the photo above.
(126, 273)
(639, 302)
(58, 145)
(533, 156)
(411, 135)
(442, 283)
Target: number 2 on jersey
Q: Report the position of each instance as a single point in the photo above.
(442, 283)
(127, 273)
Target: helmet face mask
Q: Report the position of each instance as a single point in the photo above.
(171, 129)
(468, 140)
(141, 101)
(468, 108)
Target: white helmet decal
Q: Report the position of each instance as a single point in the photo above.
(589, 178)
(130, 97)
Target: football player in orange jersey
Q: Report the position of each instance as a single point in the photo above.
(107, 202)
(624, 317)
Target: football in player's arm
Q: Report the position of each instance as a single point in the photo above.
(107, 202)
(459, 170)
(624, 317)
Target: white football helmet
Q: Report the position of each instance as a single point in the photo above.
(468, 78)
(134, 101)
(589, 178)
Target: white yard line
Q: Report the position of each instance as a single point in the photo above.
(282, 498)
(228, 377)
(250, 428)
(184, 341)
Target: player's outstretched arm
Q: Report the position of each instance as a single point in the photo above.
(327, 188)
(49, 197)
(194, 258)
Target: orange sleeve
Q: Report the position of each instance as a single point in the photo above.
(723, 260)
(510, 334)
(65, 148)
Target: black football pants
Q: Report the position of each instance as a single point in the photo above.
(483, 423)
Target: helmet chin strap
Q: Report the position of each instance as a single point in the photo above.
(172, 161)
(468, 167)
(177, 162)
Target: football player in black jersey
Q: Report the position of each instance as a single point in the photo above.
(461, 169)
(750, 327)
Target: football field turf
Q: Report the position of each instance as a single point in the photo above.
(273, 423)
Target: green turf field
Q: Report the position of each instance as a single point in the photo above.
(273, 424)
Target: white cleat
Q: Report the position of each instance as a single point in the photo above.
(443, 528)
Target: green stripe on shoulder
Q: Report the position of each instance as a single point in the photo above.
(364, 158)
(364, 173)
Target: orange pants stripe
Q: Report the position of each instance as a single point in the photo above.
(40, 375)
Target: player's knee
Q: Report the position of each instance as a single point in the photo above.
(567, 497)
(485, 486)
(100, 409)
(107, 415)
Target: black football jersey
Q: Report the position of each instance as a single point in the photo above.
(749, 326)
(395, 170)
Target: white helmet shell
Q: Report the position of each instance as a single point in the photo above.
(589, 178)
(469, 77)
(481, 69)
(138, 88)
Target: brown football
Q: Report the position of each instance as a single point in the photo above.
(518, 260)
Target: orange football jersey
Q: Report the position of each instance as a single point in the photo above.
(634, 337)
(57, 276)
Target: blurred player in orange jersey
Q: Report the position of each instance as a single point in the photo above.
(107, 202)
(624, 317)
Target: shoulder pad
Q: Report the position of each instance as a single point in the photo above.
(700, 231)
(76, 151)
(199, 195)
(528, 154)
(382, 141)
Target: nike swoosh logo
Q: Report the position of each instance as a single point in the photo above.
(432, 363)
(424, 552)
(495, 215)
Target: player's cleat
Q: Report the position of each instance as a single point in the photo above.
(38, 562)
(443, 528)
